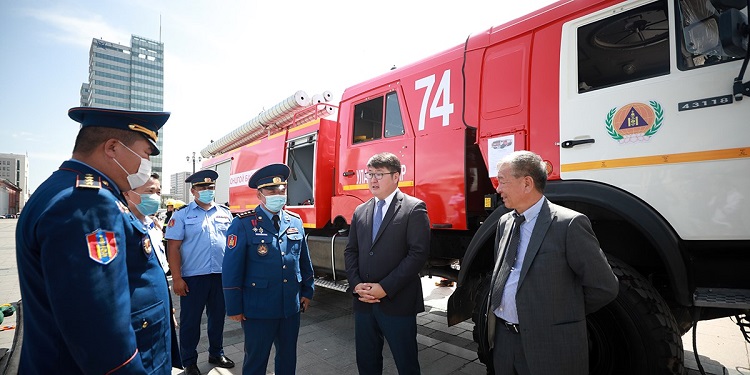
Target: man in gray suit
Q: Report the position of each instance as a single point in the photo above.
(549, 273)
(389, 241)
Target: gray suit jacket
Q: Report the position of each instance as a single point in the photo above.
(396, 256)
(564, 276)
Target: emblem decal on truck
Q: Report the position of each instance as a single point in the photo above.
(634, 122)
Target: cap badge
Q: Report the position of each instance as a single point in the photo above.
(277, 180)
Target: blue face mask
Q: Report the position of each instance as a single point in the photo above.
(274, 203)
(206, 196)
(149, 204)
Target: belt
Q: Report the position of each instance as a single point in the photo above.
(511, 327)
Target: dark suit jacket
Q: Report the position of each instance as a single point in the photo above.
(564, 276)
(396, 256)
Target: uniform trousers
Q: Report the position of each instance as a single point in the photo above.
(507, 355)
(401, 332)
(204, 291)
(260, 334)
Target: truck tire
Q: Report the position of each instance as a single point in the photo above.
(634, 334)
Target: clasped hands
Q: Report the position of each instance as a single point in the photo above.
(369, 292)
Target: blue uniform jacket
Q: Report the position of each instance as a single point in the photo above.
(94, 298)
(265, 272)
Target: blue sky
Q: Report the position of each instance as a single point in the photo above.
(225, 61)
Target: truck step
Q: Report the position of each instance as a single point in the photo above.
(341, 286)
(722, 297)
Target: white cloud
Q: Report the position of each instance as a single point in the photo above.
(80, 29)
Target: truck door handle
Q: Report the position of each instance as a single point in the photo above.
(569, 144)
(348, 173)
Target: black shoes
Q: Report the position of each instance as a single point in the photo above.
(221, 361)
(192, 370)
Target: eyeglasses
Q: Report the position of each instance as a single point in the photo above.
(377, 175)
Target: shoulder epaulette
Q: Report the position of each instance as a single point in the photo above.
(88, 181)
(293, 214)
(245, 214)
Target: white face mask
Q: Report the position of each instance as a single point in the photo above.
(139, 178)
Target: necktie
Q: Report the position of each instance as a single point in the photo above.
(276, 222)
(508, 261)
(378, 219)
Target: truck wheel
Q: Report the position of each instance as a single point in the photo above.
(636, 333)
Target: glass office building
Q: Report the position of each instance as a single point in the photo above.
(125, 77)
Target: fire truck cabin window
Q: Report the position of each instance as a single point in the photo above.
(394, 124)
(699, 24)
(625, 47)
(368, 120)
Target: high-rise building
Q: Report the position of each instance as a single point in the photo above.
(125, 77)
(15, 168)
(179, 189)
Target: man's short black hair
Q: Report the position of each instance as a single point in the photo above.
(89, 138)
(385, 160)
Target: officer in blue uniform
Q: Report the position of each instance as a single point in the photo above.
(196, 236)
(268, 275)
(94, 296)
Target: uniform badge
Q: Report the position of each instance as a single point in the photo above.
(88, 182)
(102, 246)
(171, 223)
(292, 230)
(147, 246)
(231, 241)
(262, 249)
(123, 208)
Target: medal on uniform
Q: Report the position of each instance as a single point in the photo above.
(262, 249)
(255, 225)
(147, 246)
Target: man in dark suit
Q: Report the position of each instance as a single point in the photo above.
(549, 273)
(389, 241)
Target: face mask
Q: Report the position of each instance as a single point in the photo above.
(274, 203)
(144, 171)
(149, 204)
(206, 196)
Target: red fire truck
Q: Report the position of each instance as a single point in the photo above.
(637, 108)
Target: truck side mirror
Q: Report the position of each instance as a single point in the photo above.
(733, 32)
(728, 4)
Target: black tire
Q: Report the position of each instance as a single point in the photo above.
(634, 334)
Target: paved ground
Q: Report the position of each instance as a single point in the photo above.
(326, 341)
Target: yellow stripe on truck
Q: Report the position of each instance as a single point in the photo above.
(364, 186)
(686, 157)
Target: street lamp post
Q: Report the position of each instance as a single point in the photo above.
(188, 158)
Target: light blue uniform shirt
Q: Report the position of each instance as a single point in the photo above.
(203, 234)
(507, 309)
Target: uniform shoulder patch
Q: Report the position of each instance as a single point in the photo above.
(245, 214)
(88, 181)
(102, 246)
(294, 214)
